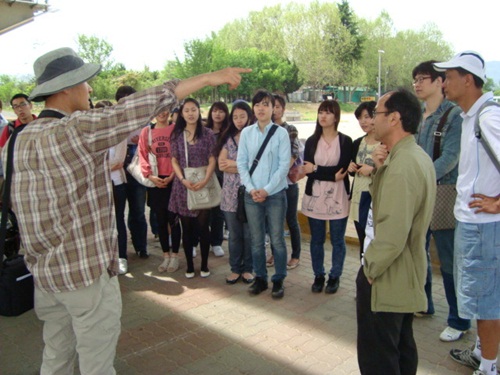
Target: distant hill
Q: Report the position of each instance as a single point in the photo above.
(493, 70)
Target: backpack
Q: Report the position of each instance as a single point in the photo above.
(481, 139)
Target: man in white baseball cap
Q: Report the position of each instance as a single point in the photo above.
(477, 210)
(63, 198)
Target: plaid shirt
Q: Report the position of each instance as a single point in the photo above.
(62, 193)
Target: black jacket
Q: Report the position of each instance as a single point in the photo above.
(328, 173)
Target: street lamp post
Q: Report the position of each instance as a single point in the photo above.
(380, 52)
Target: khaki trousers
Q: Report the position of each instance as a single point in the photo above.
(84, 322)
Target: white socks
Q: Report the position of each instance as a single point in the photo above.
(488, 366)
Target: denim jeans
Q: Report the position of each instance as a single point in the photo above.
(444, 243)
(272, 210)
(477, 270)
(120, 199)
(136, 196)
(337, 239)
(292, 200)
(240, 252)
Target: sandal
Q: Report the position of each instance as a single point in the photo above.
(164, 265)
(270, 261)
(174, 264)
(292, 263)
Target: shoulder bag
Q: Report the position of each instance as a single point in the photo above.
(446, 195)
(16, 282)
(207, 197)
(240, 210)
(134, 168)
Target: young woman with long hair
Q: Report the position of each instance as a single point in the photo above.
(327, 155)
(240, 254)
(217, 121)
(200, 146)
(159, 196)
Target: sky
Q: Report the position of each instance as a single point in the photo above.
(150, 32)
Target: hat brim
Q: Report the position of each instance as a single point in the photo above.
(452, 64)
(64, 81)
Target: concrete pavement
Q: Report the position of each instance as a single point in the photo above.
(172, 325)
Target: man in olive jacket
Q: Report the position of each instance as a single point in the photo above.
(390, 284)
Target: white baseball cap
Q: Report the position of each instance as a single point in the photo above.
(467, 60)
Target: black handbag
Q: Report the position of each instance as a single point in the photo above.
(16, 282)
(241, 214)
(16, 287)
(240, 210)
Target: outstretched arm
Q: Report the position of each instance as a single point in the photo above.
(231, 76)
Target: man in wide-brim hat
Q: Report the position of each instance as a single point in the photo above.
(61, 193)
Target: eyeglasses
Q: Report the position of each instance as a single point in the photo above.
(20, 105)
(375, 113)
(419, 80)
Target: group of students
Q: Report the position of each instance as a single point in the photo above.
(62, 183)
(227, 143)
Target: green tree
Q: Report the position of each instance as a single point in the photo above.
(95, 50)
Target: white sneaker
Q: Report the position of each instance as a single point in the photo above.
(194, 252)
(218, 251)
(122, 266)
(204, 273)
(189, 275)
(226, 234)
(451, 334)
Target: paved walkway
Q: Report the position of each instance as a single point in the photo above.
(171, 325)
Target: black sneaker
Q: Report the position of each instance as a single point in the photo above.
(278, 289)
(258, 286)
(332, 285)
(319, 283)
(143, 255)
(465, 357)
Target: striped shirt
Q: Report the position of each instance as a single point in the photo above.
(62, 192)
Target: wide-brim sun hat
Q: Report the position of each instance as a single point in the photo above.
(59, 70)
(467, 60)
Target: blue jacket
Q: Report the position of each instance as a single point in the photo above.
(447, 164)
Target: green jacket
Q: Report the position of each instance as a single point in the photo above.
(403, 192)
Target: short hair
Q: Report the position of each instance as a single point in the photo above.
(408, 107)
(103, 103)
(124, 91)
(280, 99)
(365, 106)
(20, 95)
(261, 95)
(427, 67)
(478, 82)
